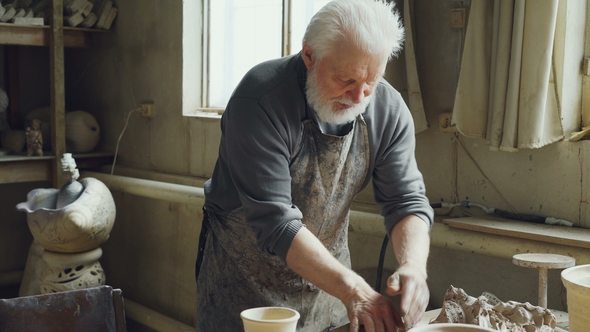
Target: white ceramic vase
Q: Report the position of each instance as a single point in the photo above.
(82, 132)
(80, 226)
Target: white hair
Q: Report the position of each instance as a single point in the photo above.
(371, 25)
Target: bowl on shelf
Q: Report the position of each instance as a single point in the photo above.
(13, 141)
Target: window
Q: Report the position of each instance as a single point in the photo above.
(236, 35)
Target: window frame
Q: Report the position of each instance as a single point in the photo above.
(195, 104)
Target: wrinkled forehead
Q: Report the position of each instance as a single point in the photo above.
(351, 62)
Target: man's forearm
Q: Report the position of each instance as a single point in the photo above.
(411, 243)
(308, 257)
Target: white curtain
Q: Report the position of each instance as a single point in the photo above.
(414, 93)
(507, 92)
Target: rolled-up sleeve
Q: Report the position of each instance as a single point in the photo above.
(397, 182)
(258, 157)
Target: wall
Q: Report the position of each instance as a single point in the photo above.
(152, 248)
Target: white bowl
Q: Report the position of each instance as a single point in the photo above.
(449, 327)
(270, 319)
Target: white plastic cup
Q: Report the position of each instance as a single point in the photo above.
(270, 319)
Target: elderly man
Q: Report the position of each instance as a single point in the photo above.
(302, 136)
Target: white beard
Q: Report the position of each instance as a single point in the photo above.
(324, 108)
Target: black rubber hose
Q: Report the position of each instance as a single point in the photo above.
(521, 217)
(380, 266)
(382, 254)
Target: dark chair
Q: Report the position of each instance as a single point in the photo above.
(97, 309)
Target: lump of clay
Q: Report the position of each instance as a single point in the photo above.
(511, 316)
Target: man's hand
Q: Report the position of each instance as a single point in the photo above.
(411, 244)
(372, 310)
(411, 284)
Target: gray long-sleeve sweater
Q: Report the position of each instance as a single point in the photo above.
(261, 128)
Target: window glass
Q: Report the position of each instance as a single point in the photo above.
(242, 34)
(301, 14)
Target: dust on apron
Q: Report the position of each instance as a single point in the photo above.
(327, 173)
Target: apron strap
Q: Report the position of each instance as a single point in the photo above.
(202, 241)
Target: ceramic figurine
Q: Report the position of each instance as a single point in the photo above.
(34, 138)
(72, 190)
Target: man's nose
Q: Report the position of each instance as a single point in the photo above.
(358, 92)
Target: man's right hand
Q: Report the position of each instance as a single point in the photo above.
(371, 310)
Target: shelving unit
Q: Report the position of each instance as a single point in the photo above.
(18, 168)
(30, 35)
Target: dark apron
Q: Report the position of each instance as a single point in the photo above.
(327, 173)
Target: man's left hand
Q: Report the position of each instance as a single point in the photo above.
(410, 282)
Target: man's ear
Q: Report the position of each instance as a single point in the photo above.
(306, 54)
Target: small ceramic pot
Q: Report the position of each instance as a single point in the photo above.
(13, 141)
(82, 132)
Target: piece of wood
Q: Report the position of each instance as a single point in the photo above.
(89, 21)
(74, 6)
(39, 36)
(74, 20)
(103, 9)
(112, 14)
(19, 13)
(569, 236)
(57, 85)
(15, 169)
(87, 9)
(9, 14)
(28, 21)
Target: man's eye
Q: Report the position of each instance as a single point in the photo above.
(344, 81)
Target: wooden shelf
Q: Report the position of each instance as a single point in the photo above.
(31, 35)
(569, 236)
(21, 168)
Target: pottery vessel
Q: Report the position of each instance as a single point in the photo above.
(13, 141)
(577, 283)
(270, 319)
(80, 226)
(82, 132)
